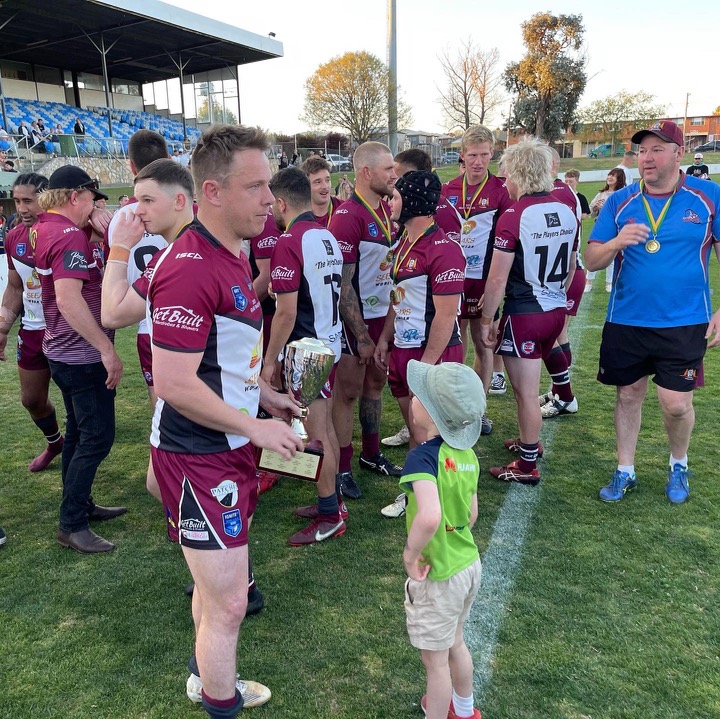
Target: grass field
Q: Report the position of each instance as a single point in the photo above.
(588, 610)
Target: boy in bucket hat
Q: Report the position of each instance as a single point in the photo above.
(441, 558)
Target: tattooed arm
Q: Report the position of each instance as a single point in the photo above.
(352, 315)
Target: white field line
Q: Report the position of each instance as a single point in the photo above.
(504, 552)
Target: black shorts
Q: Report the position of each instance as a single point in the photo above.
(672, 354)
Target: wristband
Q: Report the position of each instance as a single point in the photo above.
(119, 252)
(117, 262)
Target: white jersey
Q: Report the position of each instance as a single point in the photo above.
(140, 255)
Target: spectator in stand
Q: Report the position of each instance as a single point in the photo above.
(698, 168)
(615, 181)
(26, 139)
(9, 166)
(79, 128)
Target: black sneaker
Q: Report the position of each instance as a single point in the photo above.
(486, 427)
(381, 464)
(256, 602)
(3, 537)
(348, 486)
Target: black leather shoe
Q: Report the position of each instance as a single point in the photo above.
(85, 541)
(102, 514)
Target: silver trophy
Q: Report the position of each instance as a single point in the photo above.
(308, 364)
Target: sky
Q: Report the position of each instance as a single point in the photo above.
(624, 53)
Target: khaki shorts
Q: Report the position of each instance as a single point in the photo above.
(435, 610)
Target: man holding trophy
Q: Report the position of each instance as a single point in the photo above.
(306, 274)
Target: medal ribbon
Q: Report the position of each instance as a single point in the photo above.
(468, 210)
(329, 214)
(398, 260)
(386, 227)
(655, 224)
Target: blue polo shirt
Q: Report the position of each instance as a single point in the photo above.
(667, 288)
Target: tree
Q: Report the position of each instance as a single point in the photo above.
(550, 78)
(716, 111)
(619, 115)
(351, 92)
(473, 85)
(218, 113)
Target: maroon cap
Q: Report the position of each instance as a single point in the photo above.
(666, 130)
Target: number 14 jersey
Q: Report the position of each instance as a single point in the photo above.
(543, 233)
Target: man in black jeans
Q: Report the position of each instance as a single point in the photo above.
(82, 357)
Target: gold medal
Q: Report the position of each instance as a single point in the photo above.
(393, 298)
(652, 246)
(467, 226)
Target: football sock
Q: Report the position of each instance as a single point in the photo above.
(557, 367)
(568, 352)
(463, 706)
(683, 461)
(49, 427)
(370, 445)
(629, 468)
(346, 454)
(528, 457)
(222, 708)
(328, 506)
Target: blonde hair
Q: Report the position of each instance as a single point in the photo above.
(529, 165)
(48, 199)
(476, 135)
(368, 154)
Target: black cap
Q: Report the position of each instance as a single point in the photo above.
(71, 177)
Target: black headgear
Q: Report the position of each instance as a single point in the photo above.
(420, 192)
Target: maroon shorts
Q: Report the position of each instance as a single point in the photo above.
(145, 355)
(530, 336)
(29, 350)
(326, 391)
(473, 290)
(575, 292)
(399, 358)
(207, 497)
(374, 328)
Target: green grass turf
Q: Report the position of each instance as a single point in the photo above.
(614, 612)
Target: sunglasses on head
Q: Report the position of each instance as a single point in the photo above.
(90, 185)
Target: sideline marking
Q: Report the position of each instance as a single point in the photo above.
(503, 555)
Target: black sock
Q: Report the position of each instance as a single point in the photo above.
(49, 427)
(222, 708)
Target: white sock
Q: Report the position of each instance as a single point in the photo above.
(464, 706)
(682, 462)
(629, 468)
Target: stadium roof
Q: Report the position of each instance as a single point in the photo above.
(140, 34)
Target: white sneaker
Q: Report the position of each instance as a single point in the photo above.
(588, 287)
(557, 407)
(543, 399)
(253, 693)
(399, 439)
(498, 385)
(608, 287)
(396, 509)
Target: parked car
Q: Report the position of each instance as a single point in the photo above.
(451, 158)
(606, 150)
(338, 163)
(713, 146)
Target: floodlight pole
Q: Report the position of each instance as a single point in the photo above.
(106, 80)
(392, 65)
(180, 65)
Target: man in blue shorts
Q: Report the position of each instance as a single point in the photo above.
(659, 234)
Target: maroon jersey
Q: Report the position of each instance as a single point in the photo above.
(365, 239)
(479, 211)
(448, 219)
(62, 251)
(261, 248)
(307, 260)
(21, 258)
(324, 220)
(542, 232)
(201, 299)
(433, 265)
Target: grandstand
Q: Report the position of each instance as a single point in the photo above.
(88, 59)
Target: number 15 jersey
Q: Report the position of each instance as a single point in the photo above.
(542, 232)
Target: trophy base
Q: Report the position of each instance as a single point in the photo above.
(304, 465)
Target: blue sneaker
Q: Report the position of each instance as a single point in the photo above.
(621, 483)
(677, 489)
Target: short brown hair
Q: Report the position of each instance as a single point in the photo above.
(573, 173)
(415, 158)
(146, 146)
(314, 164)
(168, 172)
(217, 146)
